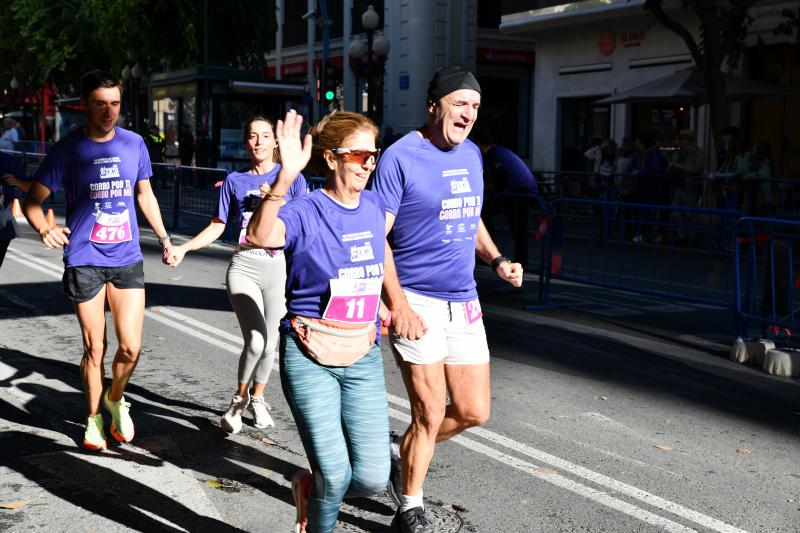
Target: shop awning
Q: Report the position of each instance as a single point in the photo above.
(588, 12)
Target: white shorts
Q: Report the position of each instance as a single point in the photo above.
(455, 333)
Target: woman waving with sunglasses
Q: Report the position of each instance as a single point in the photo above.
(331, 365)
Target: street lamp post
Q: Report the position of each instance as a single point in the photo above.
(130, 79)
(378, 45)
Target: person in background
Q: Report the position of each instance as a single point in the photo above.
(504, 171)
(186, 146)
(256, 277)
(755, 168)
(9, 135)
(647, 169)
(203, 149)
(155, 144)
(13, 186)
(625, 185)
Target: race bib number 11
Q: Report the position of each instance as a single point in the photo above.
(354, 300)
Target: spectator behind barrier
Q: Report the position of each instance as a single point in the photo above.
(755, 169)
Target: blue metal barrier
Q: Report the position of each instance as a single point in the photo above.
(680, 253)
(767, 281)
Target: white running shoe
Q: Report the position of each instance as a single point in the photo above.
(260, 410)
(232, 419)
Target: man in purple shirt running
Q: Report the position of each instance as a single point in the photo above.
(101, 167)
(431, 181)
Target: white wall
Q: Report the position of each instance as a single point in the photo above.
(424, 35)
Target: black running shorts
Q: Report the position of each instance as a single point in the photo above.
(82, 283)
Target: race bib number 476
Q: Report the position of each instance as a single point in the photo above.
(111, 229)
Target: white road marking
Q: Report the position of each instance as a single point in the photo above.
(560, 481)
(543, 457)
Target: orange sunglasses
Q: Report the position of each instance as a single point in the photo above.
(360, 157)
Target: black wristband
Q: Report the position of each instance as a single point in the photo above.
(499, 259)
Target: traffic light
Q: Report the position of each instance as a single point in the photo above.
(331, 82)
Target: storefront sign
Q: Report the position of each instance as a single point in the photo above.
(500, 55)
(629, 39)
(607, 43)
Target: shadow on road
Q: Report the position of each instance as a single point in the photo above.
(173, 431)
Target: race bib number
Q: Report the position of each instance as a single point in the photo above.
(354, 300)
(473, 311)
(111, 229)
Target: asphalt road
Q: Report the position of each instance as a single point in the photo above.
(611, 412)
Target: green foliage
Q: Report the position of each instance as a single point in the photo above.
(58, 40)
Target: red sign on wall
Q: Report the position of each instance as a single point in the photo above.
(631, 38)
(607, 43)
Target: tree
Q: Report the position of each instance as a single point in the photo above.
(58, 40)
(723, 27)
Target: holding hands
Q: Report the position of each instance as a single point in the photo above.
(55, 236)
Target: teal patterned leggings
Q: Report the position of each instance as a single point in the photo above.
(343, 420)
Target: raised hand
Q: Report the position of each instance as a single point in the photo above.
(294, 153)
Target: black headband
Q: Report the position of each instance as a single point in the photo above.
(449, 79)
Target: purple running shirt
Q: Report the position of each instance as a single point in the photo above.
(99, 180)
(328, 244)
(436, 196)
(239, 197)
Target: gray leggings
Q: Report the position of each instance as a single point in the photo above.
(256, 289)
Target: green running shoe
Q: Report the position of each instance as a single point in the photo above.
(121, 424)
(94, 438)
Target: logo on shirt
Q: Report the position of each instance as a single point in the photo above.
(109, 172)
(460, 186)
(361, 253)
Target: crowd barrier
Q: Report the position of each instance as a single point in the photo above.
(711, 255)
(767, 280)
(715, 191)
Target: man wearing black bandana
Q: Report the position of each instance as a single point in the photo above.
(431, 181)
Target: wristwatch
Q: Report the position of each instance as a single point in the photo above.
(166, 237)
(499, 259)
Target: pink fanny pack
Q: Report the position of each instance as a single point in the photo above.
(333, 343)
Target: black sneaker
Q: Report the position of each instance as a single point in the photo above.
(395, 486)
(411, 521)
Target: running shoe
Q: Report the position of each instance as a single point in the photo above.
(395, 486)
(95, 438)
(411, 521)
(260, 410)
(121, 424)
(302, 483)
(232, 419)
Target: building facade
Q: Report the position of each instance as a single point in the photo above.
(589, 50)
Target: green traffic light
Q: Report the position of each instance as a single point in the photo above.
(329, 95)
